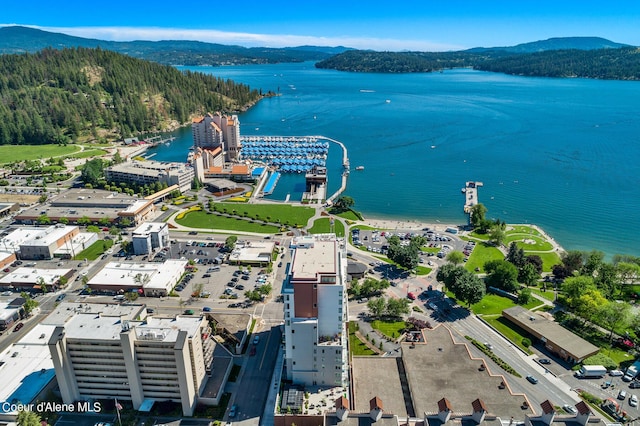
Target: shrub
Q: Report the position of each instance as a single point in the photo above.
(601, 359)
(526, 342)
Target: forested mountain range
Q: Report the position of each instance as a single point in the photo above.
(586, 60)
(54, 96)
(17, 39)
(556, 43)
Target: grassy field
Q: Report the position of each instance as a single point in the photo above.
(549, 294)
(11, 153)
(533, 243)
(548, 260)
(523, 229)
(348, 215)
(356, 345)
(476, 236)
(512, 332)
(492, 304)
(202, 220)
(429, 249)
(287, 214)
(323, 226)
(481, 254)
(95, 250)
(391, 329)
(88, 153)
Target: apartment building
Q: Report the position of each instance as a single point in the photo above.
(315, 306)
(158, 359)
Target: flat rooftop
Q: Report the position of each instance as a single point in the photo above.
(254, 252)
(121, 274)
(67, 310)
(26, 366)
(24, 275)
(49, 235)
(310, 261)
(149, 228)
(436, 369)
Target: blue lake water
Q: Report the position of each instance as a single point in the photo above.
(559, 153)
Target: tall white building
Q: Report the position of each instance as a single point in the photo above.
(106, 357)
(315, 310)
(217, 130)
(150, 236)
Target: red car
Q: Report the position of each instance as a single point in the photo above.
(18, 327)
(411, 296)
(6, 270)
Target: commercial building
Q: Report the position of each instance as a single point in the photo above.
(30, 279)
(10, 312)
(151, 172)
(217, 130)
(158, 359)
(252, 253)
(315, 310)
(26, 371)
(95, 205)
(37, 243)
(150, 236)
(152, 279)
(557, 339)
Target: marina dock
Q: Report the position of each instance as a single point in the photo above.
(470, 192)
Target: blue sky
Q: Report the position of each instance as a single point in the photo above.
(381, 25)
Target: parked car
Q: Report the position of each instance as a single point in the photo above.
(233, 410)
(256, 339)
(616, 373)
(18, 327)
(633, 401)
(622, 395)
(545, 361)
(533, 380)
(634, 385)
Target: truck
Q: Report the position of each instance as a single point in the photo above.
(591, 372)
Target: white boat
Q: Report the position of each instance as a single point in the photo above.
(360, 168)
(388, 101)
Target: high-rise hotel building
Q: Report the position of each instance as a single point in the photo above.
(315, 311)
(217, 130)
(107, 357)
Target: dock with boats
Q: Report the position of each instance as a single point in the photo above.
(470, 192)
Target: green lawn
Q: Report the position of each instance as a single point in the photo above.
(356, 346)
(492, 304)
(423, 270)
(617, 354)
(477, 236)
(348, 215)
(285, 213)
(549, 294)
(533, 243)
(429, 249)
(88, 153)
(522, 229)
(323, 226)
(202, 220)
(481, 254)
(548, 260)
(391, 329)
(11, 153)
(94, 250)
(511, 331)
(363, 227)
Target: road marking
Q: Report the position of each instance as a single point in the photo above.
(264, 354)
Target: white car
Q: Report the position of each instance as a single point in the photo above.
(616, 373)
(570, 409)
(633, 401)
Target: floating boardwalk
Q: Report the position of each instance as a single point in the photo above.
(471, 195)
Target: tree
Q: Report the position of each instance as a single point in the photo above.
(343, 203)
(43, 219)
(63, 220)
(515, 255)
(396, 307)
(607, 279)
(628, 272)
(502, 275)
(449, 273)
(589, 303)
(84, 220)
(469, 288)
(376, 306)
(574, 287)
(592, 262)
(536, 261)
(230, 242)
(29, 304)
(28, 418)
(614, 316)
(477, 215)
(455, 257)
(497, 235)
(131, 296)
(528, 275)
(524, 296)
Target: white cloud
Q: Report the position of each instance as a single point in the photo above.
(246, 39)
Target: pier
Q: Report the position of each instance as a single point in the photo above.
(470, 191)
(345, 172)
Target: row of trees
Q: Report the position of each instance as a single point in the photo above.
(390, 308)
(405, 255)
(56, 95)
(368, 288)
(465, 285)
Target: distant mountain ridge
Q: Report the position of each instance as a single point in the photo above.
(18, 39)
(556, 43)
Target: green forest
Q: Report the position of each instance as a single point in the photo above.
(611, 64)
(59, 96)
